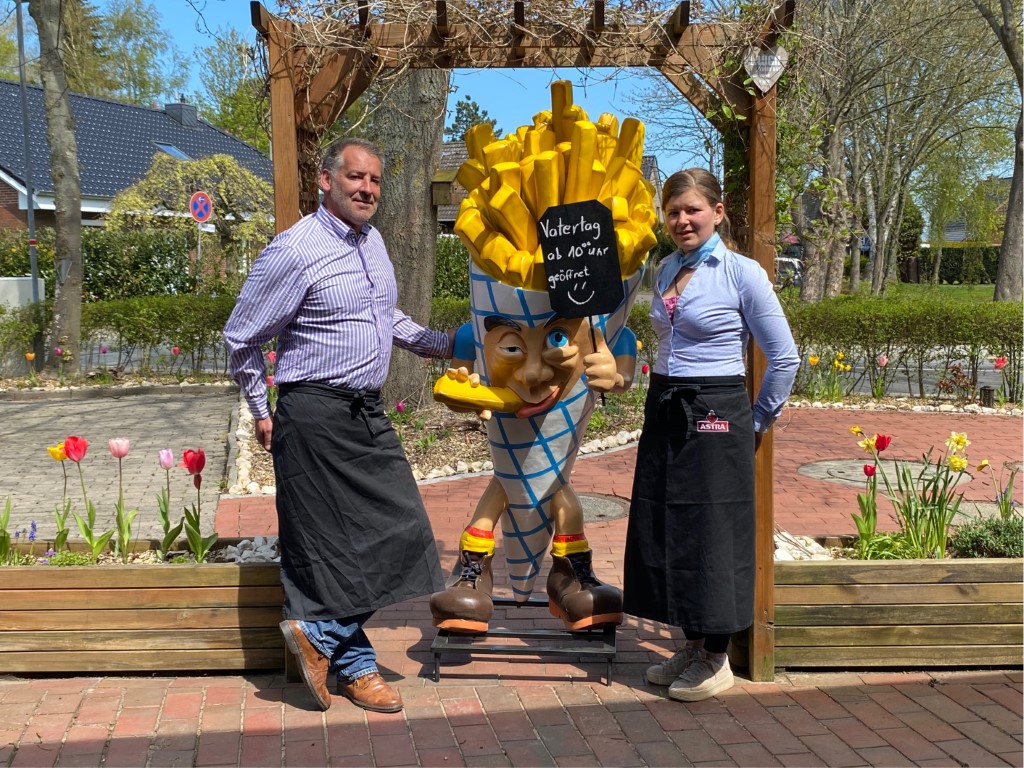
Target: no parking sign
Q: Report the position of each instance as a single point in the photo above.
(200, 206)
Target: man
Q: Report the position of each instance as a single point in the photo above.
(354, 533)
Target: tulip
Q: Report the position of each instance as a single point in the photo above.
(270, 381)
(813, 360)
(883, 360)
(175, 351)
(882, 442)
(645, 369)
(103, 349)
(194, 461)
(30, 356)
(75, 447)
(272, 357)
(1000, 363)
(400, 406)
(197, 481)
(869, 470)
(166, 458)
(57, 452)
(119, 447)
(58, 351)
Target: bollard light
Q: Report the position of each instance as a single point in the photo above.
(987, 395)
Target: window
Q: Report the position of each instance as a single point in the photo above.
(173, 151)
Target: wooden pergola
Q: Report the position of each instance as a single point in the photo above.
(312, 84)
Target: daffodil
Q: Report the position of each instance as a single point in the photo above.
(868, 443)
(957, 441)
(982, 467)
(856, 430)
(957, 463)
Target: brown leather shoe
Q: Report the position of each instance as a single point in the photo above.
(371, 692)
(577, 597)
(466, 605)
(313, 665)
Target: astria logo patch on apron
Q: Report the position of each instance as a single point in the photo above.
(712, 424)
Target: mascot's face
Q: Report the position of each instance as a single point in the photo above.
(539, 364)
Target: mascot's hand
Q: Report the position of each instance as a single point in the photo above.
(462, 391)
(600, 367)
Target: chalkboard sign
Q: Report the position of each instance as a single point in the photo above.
(581, 259)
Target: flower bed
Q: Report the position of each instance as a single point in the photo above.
(120, 618)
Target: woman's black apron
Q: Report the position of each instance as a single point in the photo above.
(354, 534)
(690, 543)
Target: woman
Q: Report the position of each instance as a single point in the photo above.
(690, 545)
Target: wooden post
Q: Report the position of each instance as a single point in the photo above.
(284, 144)
(761, 246)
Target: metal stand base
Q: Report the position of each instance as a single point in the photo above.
(591, 643)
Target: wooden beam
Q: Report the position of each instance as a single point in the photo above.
(364, 14)
(441, 19)
(761, 247)
(338, 83)
(596, 26)
(284, 144)
(780, 20)
(518, 30)
(679, 21)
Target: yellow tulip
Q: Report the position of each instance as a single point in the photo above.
(813, 360)
(30, 356)
(57, 452)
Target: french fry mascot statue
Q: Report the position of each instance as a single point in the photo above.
(532, 374)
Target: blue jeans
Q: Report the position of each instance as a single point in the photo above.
(345, 644)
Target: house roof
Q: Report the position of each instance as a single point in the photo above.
(116, 141)
(454, 154)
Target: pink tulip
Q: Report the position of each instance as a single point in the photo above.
(119, 447)
(103, 349)
(175, 351)
(58, 351)
(883, 360)
(272, 357)
(166, 458)
(270, 381)
(400, 406)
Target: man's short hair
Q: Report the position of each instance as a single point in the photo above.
(332, 155)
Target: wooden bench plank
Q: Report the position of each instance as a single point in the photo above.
(151, 618)
(167, 575)
(150, 640)
(906, 656)
(898, 571)
(954, 613)
(173, 597)
(934, 635)
(881, 594)
(141, 661)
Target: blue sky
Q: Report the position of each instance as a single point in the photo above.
(510, 96)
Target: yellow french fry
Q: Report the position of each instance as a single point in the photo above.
(547, 179)
(528, 190)
(580, 162)
(514, 218)
(495, 256)
(502, 151)
(618, 206)
(508, 174)
(471, 173)
(561, 100)
(472, 229)
(631, 141)
(476, 138)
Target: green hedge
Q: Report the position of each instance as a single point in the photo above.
(967, 264)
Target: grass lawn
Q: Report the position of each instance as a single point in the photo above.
(941, 292)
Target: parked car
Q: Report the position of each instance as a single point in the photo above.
(788, 271)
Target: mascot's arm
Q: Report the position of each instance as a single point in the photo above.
(611, 370)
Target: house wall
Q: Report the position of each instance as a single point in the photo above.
(10, 216)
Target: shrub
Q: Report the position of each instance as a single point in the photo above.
(988, 537)
(451, 269)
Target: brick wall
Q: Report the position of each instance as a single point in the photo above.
(10, 216)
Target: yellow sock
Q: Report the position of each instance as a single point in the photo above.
(477, 540)
(563, 545)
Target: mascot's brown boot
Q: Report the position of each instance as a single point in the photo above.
(579, 599)
(465, 606)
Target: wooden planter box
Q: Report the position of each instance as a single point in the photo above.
(898, 613)
(124, 618)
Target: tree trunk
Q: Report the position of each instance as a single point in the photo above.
(936, 263)
(813, 271)
(837, 214)
(1011, 256)
(66, 328)
(408, 129)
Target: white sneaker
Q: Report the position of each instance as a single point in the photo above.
(701, 680)
(667, 671)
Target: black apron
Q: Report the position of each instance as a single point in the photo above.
(689, 556)
(355, 536)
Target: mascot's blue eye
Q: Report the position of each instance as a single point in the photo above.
(558, 338)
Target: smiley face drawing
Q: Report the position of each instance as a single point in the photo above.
(533, 374)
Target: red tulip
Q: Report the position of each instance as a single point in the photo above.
(197, 481)
(270, 381)
(75, 447)
(194, 461)
(1000, 362)
(645, 369)
(869, 470)
(175, 351)
(882, 442)
(272, 357)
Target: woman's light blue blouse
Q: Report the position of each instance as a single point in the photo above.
(728, 299)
